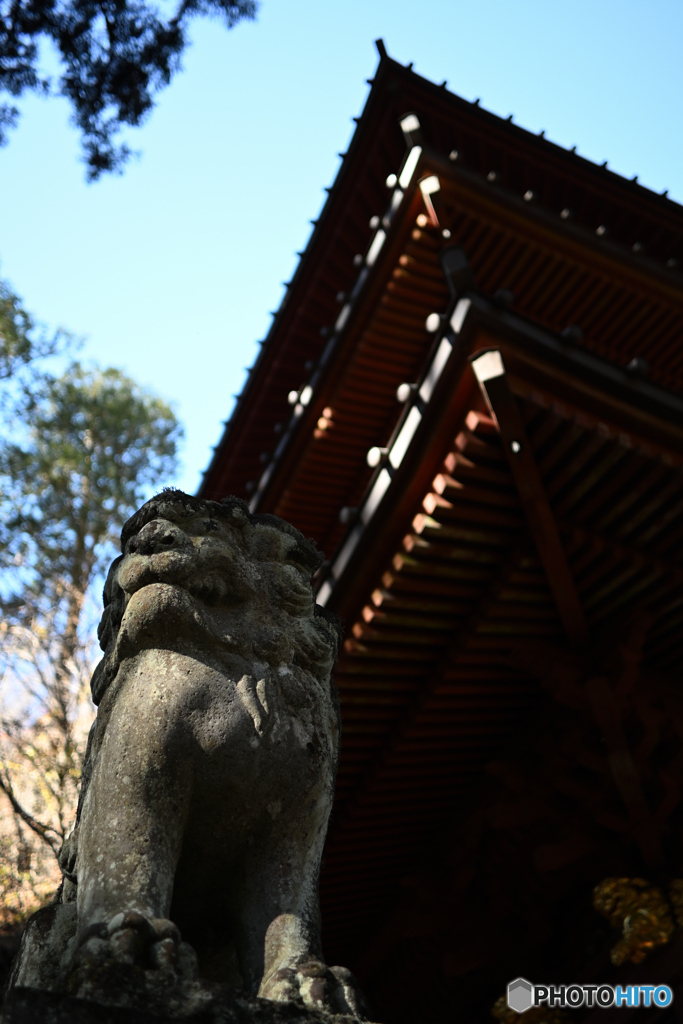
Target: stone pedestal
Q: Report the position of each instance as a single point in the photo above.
(33, 1006)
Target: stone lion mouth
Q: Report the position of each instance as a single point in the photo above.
(208, 587)
(212, 591)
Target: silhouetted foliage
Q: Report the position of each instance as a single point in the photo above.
(116, 55)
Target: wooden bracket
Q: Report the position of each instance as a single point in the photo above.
(489, 370)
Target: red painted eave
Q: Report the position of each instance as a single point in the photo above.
(522, 161)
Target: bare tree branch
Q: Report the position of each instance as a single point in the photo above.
(36, 826)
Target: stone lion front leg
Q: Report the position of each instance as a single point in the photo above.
(280, 952)
(131, 832)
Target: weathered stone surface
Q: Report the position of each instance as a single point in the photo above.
(209, 775)
(36, 1006)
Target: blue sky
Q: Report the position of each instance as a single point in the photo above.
(171, 270)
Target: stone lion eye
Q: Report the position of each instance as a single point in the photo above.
(210, 525)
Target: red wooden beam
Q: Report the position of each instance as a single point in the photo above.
(490, 372)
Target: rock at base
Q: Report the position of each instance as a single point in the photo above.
(34, 1006)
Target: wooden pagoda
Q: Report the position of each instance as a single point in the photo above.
(472, 399)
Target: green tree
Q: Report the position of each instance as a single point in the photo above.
(92, 445)
(21, 341)
(115, 54)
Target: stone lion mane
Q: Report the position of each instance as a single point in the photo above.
(232, 510)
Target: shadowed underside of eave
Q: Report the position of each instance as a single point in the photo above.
(327, 471)
(621, 315)
(432, 679)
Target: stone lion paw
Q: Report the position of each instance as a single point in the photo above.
(133, 939)
(348, 995)
(333, 989)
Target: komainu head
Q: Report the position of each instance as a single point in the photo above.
(210, 576)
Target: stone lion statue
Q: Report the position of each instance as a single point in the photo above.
(210, 768)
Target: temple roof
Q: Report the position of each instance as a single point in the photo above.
(578, 244)
(472, 400)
